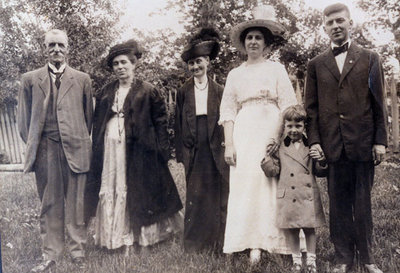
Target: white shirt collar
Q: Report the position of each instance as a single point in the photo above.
(335, 45)
(60, 70)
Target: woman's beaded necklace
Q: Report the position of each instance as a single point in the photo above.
(199, 88)
(120, 113)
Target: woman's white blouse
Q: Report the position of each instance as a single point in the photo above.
(201, 96)
(266, 82)
(119, 99)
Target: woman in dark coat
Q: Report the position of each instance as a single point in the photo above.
(199, 146)
(130, 185)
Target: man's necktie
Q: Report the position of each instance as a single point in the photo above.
(58, 75)
(58, 80)
(340, 49)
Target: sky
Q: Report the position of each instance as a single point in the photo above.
(148, 16)
(138, 13)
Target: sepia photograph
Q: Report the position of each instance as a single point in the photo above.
(207, 136)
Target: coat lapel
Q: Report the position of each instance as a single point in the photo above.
(330, 63)
(212, 107)
(352, 57)
(66, 83)
(303, 151)
(297, 155)
(44, 80)
(190, 109)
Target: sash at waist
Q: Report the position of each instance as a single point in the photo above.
(258, 100)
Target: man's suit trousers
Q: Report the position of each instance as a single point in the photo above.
(58, 189)
(349, 187)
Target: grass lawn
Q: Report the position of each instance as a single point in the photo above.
(20, 238)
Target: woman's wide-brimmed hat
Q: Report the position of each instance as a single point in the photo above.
(204, 42)
(264, 17)
(128, 47)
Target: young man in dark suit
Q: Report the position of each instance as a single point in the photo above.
(347, 123)
(54, 120)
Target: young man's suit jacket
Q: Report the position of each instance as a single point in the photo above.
(74, 115)
(346, 110)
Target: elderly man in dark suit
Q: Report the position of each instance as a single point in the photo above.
(54, 120)
(347, 124)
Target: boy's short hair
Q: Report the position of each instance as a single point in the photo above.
(295, 113)
(336, 8)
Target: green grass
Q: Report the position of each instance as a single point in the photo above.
(20, 238)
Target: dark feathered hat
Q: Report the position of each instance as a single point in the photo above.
(128, 47)
(204, 42)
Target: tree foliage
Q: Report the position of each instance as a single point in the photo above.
(304, 42)
(384, 15)
(90, 26)
(304, 24)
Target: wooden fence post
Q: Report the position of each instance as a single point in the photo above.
(395, 115)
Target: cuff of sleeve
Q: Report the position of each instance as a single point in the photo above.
(222, 122)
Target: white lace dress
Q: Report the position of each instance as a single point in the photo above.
(253, 99)
(112, 220)
(112, 223)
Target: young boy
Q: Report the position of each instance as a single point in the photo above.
(298, 201)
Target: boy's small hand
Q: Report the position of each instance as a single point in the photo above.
(317, 153)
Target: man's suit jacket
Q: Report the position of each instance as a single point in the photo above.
(185, 125)
(74, 108)
(346, 110)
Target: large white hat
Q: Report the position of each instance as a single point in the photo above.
(264, 17)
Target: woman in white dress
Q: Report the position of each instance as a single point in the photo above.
(255, 94)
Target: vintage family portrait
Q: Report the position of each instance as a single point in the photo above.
(199, 136)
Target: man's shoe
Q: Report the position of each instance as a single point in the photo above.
(341, 268)
(44, 266)
(372, 268)
(79, 262)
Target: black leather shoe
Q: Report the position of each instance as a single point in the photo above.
(79, 262)
(341, 268)
(44, 266)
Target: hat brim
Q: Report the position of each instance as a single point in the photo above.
(276, 29)
(122, 51)
(205, 48)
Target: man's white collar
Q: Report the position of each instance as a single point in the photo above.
(55, 70)
(335, 45)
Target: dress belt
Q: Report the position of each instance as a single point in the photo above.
(258, 100)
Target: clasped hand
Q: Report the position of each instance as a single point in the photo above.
(316, 153)
(272, 147)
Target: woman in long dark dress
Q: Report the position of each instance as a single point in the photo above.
(130, 186)
(199, 146)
